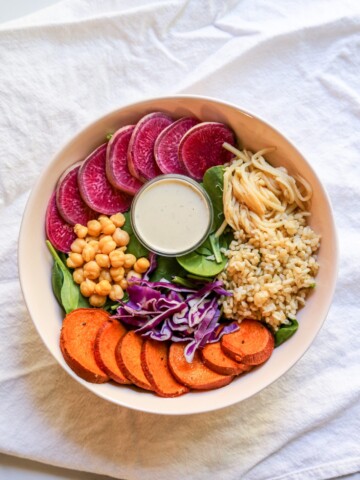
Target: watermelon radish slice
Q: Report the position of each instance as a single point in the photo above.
(167, 144)
(96, 190)
(60, 233)
(201, 147)
(71, 206)
(117, 170)
(141, 160)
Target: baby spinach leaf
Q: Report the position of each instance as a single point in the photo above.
(134, 246)
(185, 282)
(65, 289)
(167, 267)
(200, 265)
(213, 183)
(215, 245)
(285, 332)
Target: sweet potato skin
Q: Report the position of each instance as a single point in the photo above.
(215, 358)
(128, 358)
(108, 336)
(77, 341)
(252, 344)
(194, 375)
(154, 360)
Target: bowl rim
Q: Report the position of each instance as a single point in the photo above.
(205, 406)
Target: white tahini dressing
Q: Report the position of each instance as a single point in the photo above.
(171, 215)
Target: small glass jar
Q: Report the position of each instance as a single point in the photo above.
(171, 215)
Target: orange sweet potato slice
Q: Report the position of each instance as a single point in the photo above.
(154, 359)
(77, 341)
(195, 374)
(108, 336)
(252, 344)
(128, 358)
(214, 358)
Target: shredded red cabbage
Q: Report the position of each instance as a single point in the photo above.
(165, 311)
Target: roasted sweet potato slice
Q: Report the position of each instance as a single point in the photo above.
(128, 358)
(195, 374)
(77, 341)
(252, 344)
(214, 358)
(108, 336)
(154, 359)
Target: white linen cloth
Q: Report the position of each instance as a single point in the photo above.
(297, 64)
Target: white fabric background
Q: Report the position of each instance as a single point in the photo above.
(296, 64)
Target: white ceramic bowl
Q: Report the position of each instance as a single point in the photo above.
(254, 134)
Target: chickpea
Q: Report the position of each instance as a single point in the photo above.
(117, 258)
(91, 270)
(97, 300)
(132, 274)
(78, 245)
(103, 219)
(121, 237)
(80, 230)
(88, 253)
(94, 244)
(109, 228)
(116, 293)
(87, 287)
(141, 265)
(105, 275)
(108, 247)
(90, 239)
(129, 260)
(74, 260)
(78, 275)
(123, 284)
(117, 274)
(102, 260)
(118, 219)
(94, 228)
(103, 288)
(103, 240)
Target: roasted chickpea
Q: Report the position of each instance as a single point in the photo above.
(117, 258)
(141, 265)
(97, 300)
(78, 245)
(94, 244)
(105, 275)
(116, 293)
(129, 260)
(87, 287)
(117, 274)
(103, 219)
(80, 230)
(91, 270)
(78, 275)
(132, 274)
(118, 219)
(102, 260)
(109, 228)
(108, 247)
(103, 240)
(74, 260)
(103, 288)
(94, 228)
(121, 237)
(88, 253)
(123, 284)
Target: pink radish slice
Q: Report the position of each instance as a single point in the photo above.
(96, 190)
(201, 147)
(60, 233)
(117, 170)
(167, 144)
(141, 160)
(71, 206)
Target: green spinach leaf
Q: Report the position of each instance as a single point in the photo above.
(167, 267)
(200, 265)
(65, 289)
(285, 332)
(134, 246)
(213, 183)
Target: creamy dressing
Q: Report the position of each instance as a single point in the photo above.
(171, 215)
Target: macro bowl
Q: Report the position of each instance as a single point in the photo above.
(253, 134)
